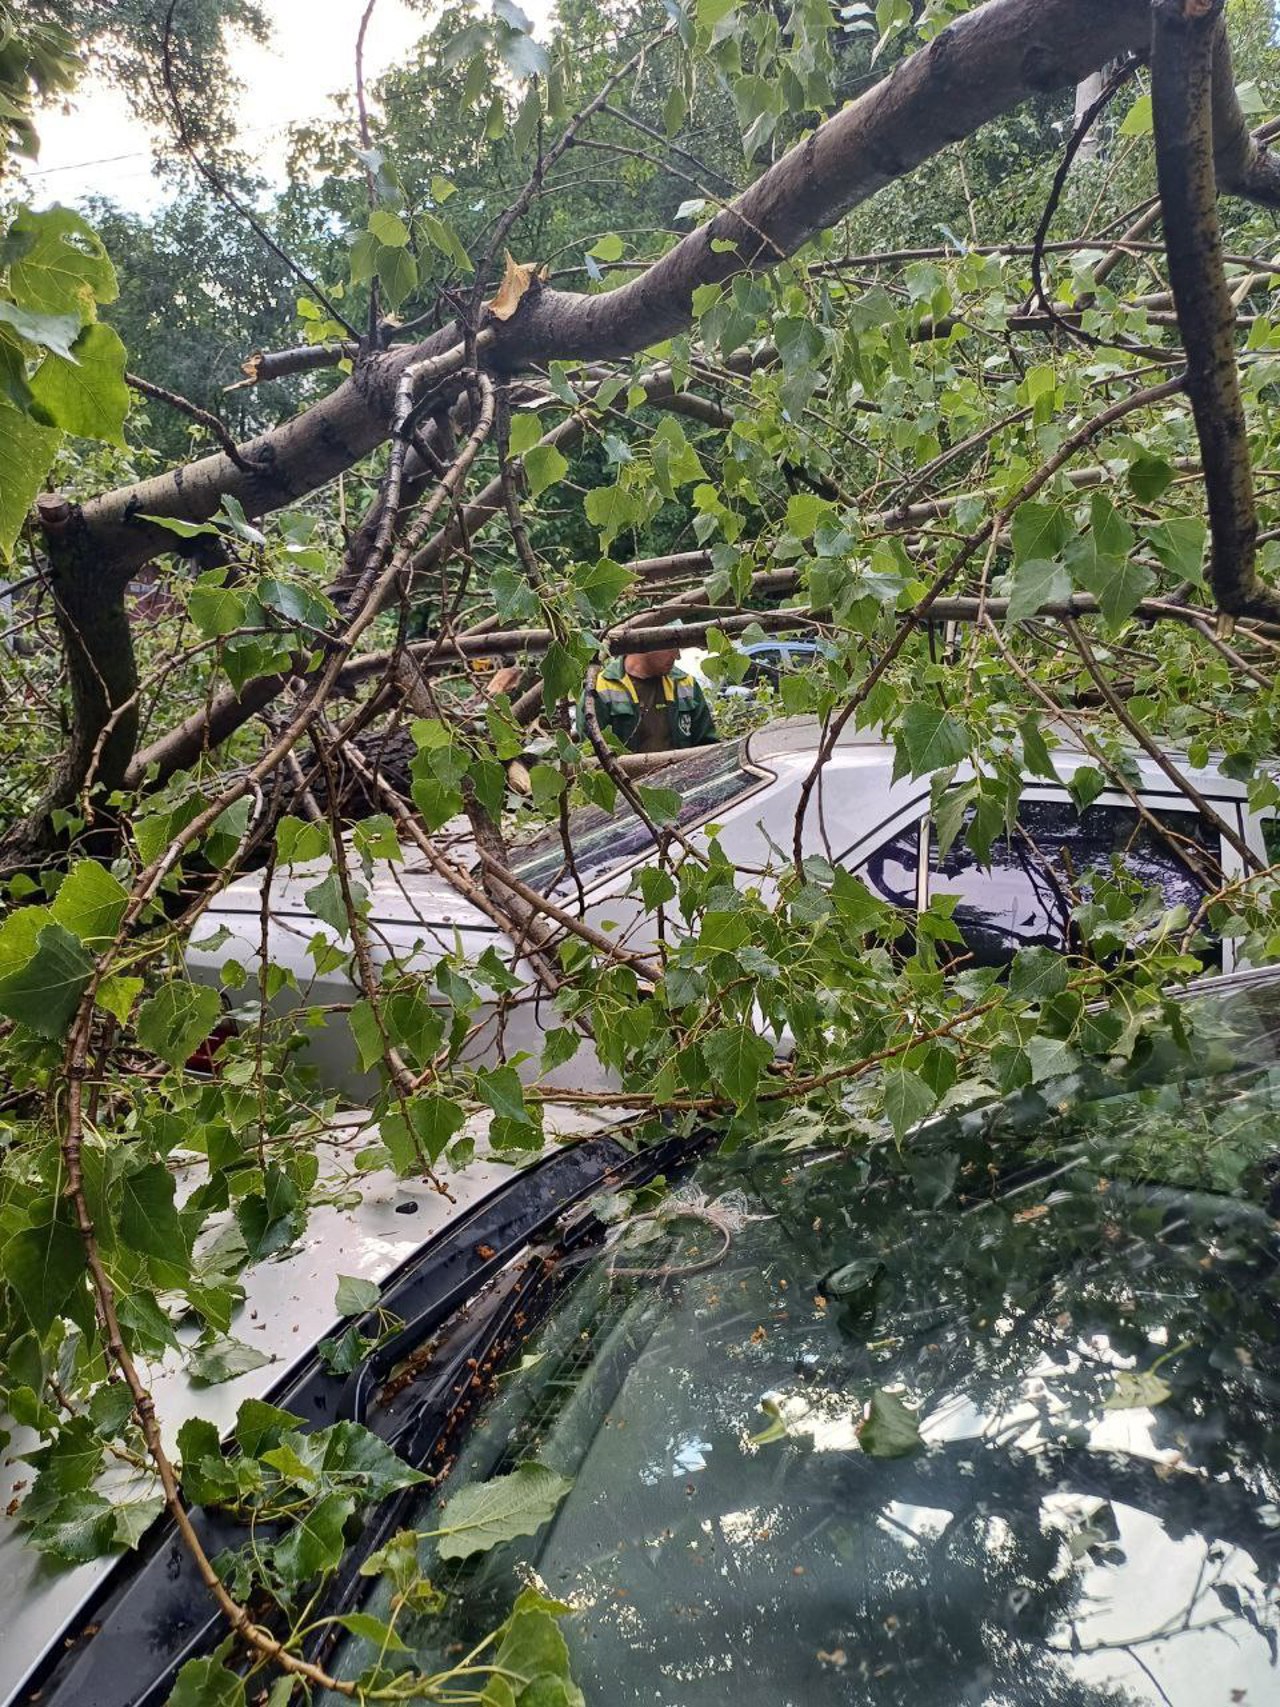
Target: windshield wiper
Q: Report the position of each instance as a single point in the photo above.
(154, 1602)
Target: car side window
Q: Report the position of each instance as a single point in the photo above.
(892, 871)
(1023, 896)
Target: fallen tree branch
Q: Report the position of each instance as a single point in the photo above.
(988, 61)
(1154, 752)
(1184, 33)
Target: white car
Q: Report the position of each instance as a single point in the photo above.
(748, 790)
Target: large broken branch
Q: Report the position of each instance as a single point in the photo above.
(988, 61)
(1185, 35)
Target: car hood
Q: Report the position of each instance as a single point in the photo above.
(289, 1306)
(399, 894)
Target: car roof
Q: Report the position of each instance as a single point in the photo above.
(774, 760)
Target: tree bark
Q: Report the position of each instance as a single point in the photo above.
(1186, 37)
(101, 673)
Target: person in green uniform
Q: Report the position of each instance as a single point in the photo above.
(649, 703)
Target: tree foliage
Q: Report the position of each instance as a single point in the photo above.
(557, 379)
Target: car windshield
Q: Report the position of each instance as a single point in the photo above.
(705, 781)
(1080, 1328)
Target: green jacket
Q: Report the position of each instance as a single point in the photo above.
(618, 707)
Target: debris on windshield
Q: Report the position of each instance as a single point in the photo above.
(889, 1429)
(776, 1429)
(483, 1515)
(726, 1215)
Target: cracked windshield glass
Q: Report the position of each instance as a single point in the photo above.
(994, 1421)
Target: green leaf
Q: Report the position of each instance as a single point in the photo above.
(90, 902)
(80, 1527)
(611, 508)
(526, 430)
(1119, 584)
(1050, 1058)
(608, 248)
(602, 584)
(134, 1518)
(804, 512)
(177, 1019)
(445, 238)
(398, 274)
(388, 228)
(736, 1056)
(207, 1683)
(543, 466)
(117, 994)
(536, 1655)
(298, 841)
(260, 1426)
(183, 529)
(43, 1265)
(345, 1455)
(889, 1429)
(26, 451)
(1149, 476)
(1138, 121)
(1085, 784)
(1179, 543)
(1039, 531)
(435, 1121)
(489, 1513)
(56, 332)
(43, 971)
(1112, 535)
(326, 902)
(110, 1408)
(1037, 582)
(502, 1090)
(148, 1220)
(662, 804)
(61, 266)
(355, 1295)
(371, 1629)
(1035, 750)
(907, 1099)
(363, 259)
(86, 396)
(1037, 974)
(930, 738)
(221, 1358)
(216, 610)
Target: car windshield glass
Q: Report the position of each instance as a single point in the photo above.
(704, 781)
(1084, 1332)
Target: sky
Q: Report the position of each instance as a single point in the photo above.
(99, 148)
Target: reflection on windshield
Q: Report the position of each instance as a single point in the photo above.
(705, 782)
(1092, 1519)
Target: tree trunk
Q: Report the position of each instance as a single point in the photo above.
(102, 678)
